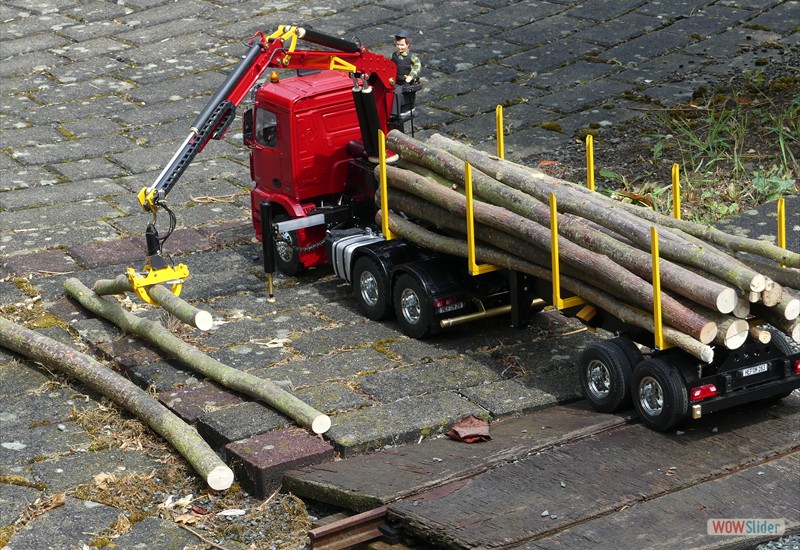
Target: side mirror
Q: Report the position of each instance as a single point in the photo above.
(247, 127)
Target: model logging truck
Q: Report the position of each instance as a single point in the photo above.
(315, 140)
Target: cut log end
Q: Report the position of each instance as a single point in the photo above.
(736, 334)
(758, 283)
(707, 354)
(708, 333)
(762, 336)
(321, 424)
(742, 308)
(220, 478)
(203, 320)
(727, 300)
(792, 310)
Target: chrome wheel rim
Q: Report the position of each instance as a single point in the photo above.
(599, 379)
(284, 248)
(651, 396)
(369, 288)
(410, 306)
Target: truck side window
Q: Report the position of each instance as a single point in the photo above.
(266, 128)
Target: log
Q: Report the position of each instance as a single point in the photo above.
(592, 206)
(760, 334)
(772, 293)
(786, 276)
(742, 308)
(258, 388)
(181, 309)
(458, 247)
(124, 393)
(708, 293)
(598, 268)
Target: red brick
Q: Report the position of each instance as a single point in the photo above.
(259, 462)
(102, 253)
(46, 262)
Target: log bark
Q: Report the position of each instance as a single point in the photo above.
(124, 393)
(258, 388)
(198, 318)
(605, 273)
(591, 206)
(458, 247)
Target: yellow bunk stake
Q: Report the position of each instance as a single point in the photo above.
(676, 191)
(498, 122)
(658, 327)
(590, 162)
(558, 303)
(387, 233)
(782, 223)
(472, 265)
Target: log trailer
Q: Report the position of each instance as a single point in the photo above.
(315, 140)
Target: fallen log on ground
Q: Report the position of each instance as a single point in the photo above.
(181, 309)
(123, 392)
(243, 382)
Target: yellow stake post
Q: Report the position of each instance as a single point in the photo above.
(498, 122)
(472, 265)
(387, 233)
(555, 269)
(590, 161)
(782, 223)
(676, 191)
(658, 327)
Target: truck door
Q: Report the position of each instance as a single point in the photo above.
(269, 151)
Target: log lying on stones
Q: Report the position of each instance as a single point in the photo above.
(243, 382)
(627, 314)
(181, 309)
(124, 393)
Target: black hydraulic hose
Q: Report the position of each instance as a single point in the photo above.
(329, 41)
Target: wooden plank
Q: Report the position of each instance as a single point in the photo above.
(601, 474)
(368, 481)
(680, 519)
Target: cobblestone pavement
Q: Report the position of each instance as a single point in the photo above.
(97, 96)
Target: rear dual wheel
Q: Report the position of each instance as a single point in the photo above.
(605, 374)
(371, 289)
(659, 394)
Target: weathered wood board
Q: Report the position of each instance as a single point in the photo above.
(680, 519)
(575, 483)
(368, 481)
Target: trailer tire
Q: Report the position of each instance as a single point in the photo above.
(412, 307)
(287, 258)
(371, 289)
(632, 352)
(784, 344)
(605, 376)
(659, 394)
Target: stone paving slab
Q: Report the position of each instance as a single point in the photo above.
(96, 97)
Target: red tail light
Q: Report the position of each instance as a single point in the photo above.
(702, 392)
(797, 366)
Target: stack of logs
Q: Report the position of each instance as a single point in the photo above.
(715, 285)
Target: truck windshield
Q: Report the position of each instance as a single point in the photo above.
(266, 128)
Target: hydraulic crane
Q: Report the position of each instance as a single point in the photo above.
(372, 74)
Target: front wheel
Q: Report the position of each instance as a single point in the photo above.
(287, 257)
(412, 307)
(659, 394)
(371, 289)
(605, 376)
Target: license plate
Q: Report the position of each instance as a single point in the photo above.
(750, 371)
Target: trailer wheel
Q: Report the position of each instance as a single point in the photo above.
(659, 394)
(782, 342)
(632, 352)
(412, 307)
(371, 289)
(287, 259)
(605, 376)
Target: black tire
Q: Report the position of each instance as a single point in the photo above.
(786, 347)
(287, 259)
(412, 307)
(659, 394)
(371, 289)
(630, 349)
(605, 377)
